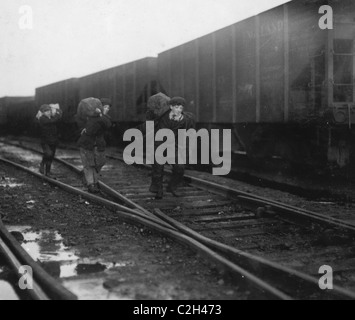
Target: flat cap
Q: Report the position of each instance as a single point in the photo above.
(177, 101)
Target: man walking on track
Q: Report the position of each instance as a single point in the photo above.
(174, 119)
(92, 143)
(48, 116)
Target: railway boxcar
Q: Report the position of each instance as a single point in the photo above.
(3, 117)
(66, 93)
(63, 92)
(17, 115)
(128, 86)
(283, 83)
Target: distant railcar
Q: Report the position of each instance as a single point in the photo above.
(66, 94)
(3, 116)
(128, 86)
(17, 114)
(282, 83)
(63, 92)
(279, 80)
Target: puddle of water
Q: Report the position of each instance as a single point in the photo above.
(8, 182)
(25, 155)
(68, 270)
(48, 248)
(7, 292)
(108, 168)
(92, 289)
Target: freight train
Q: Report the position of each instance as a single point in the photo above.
(280, 81)
(16, 115)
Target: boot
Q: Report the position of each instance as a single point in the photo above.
(175, 180)
(172, 186)
(92, 189)
(157, 181)
(160, 194)
(173, 190)
(158, 189)
(83, 179)
(48, 170)
(41, 168)
(154, 188)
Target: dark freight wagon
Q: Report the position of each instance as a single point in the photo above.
(3, 116)
(282, 83)
(63, 92)
(66, 94)
(128, 86)
(17, 115)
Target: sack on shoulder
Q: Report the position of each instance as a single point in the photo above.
(157, 105)
(87, 108)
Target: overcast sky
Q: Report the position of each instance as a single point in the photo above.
(73, 38)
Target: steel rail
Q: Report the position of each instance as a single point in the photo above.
(277, 206)
(230, 192)
(231, 252)
(287, 209)
(44, 286)
(244, 196)
(168, 231)
(256, 262)
(88, 196)
(36, 293)
(105, 188)
(109, 191)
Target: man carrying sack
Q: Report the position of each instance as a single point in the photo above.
(48, 117)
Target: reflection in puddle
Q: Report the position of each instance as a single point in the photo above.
(7, 292)
(108, 168)
(8, 182)
(23, 154)
(47, 247)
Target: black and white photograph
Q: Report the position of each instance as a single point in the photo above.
(177, 155)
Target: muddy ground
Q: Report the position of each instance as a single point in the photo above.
(143, 264)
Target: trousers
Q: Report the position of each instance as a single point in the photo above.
(93, 161)
(175, 180)
(48, 156)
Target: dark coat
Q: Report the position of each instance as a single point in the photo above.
(94, 133)
(49, 130)
(186, 123)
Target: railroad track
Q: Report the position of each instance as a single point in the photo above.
(242, 232)
(39, 287)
